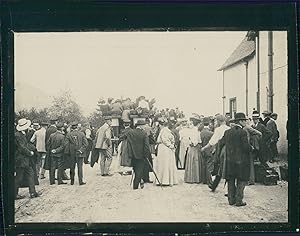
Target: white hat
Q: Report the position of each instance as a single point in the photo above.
(23, 124)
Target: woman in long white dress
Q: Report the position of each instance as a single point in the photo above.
(165, 167)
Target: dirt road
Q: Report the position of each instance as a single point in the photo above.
(111, 199)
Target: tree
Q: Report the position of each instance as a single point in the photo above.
(66, 109)
(33, 114)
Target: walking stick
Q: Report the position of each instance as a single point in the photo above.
(131, 177)
(154, 173)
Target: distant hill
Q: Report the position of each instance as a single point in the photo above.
(28, 95)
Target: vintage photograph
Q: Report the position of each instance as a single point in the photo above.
(151, 126)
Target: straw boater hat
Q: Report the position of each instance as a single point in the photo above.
(127, 121)
(255, 114)
(23, 124)
(240, 116)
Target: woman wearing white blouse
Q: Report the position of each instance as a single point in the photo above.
(166, 169)
(193, 162)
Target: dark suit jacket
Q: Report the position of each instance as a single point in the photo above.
(271, 125)
(50, 130)
(56, 141)
(138, 144)
(206, 135)
(22, 153)
(264, 142)
(237, 154)
(77, 142)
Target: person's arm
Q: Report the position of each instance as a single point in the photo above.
(33, 138)
(61, 147)
(244, 141)
(22, 147)
(88, 134)
(84, 144)
(147, 152)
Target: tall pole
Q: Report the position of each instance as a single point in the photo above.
(223, 94)
(246, 67)
(270, 65)
(258, 72)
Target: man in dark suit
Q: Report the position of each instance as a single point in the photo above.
(77, 143)
(206, 135)
(139, 150)
(264, 151)
(23, 154)
(237, 171)
(272, 126)
(56, 151)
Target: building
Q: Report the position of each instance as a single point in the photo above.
(255, 78)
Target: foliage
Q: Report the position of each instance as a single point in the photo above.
(33, 114)
(66, 109)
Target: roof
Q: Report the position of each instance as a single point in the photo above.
(244, 51)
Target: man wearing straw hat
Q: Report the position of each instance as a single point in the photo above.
(237, 171)
(22, 161)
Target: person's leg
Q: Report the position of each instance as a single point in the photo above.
(102, 154)
(80, 170)
(18, 179)
(231, 191)
(52, 169)
(60, 170)
(252, 174)
(240, 192)
(139, 169)
(108, 161)
(72, 169)
(43, 157)
(29, 174)
(38, 164)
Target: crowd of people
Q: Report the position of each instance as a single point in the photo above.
(207, 149)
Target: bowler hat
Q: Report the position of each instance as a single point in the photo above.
(44, 123)
(240, 116)
(206, 120)
(274, 114)
(140, 122)
(23, 124)
(60, 125)
(266, 112)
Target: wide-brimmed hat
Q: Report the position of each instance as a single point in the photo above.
(126, 121)
(195, 117)
(255, 114)
(266, 112)
(74, 124)
(23, 124)
(53, 118)
(240, 116)
(107, 118)
(140, 122)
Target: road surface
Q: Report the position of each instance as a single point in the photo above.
(111, 199)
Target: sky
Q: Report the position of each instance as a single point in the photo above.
(178, 69)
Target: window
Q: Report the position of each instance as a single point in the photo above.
(232, 106)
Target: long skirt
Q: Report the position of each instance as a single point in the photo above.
(182, 154)
(193, 169)
(121, 167)
(165, 167)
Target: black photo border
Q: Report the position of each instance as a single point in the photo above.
(81, 16)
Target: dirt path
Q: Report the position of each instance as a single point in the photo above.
(111, 199)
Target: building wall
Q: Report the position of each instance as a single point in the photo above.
(280, 81)
(235, 86)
